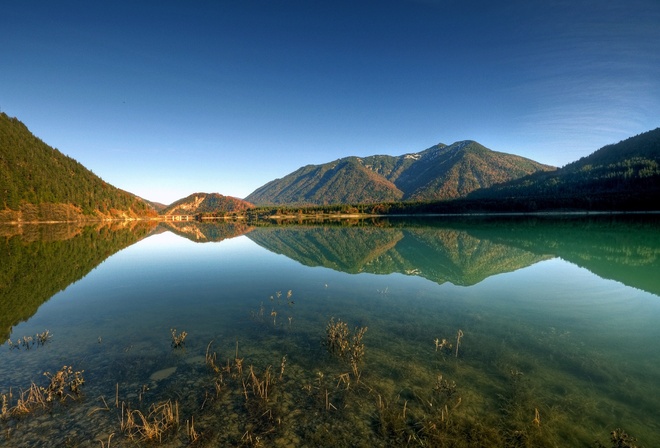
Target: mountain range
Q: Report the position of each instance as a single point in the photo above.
(438, 173)
(39, 183)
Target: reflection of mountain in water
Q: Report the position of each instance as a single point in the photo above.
(203, 232)
(622, 248)
(466, 251)
(37, 261)
(460, 258)
(437, 254)
(347, 249)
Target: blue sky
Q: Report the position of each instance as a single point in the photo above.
(168, 98)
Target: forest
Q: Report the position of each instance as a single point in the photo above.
(31, 172)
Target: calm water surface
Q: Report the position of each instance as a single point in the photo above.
(558, 324)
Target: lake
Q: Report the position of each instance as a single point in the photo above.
(511, 332)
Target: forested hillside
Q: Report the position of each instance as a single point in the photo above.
(437, 173)
(625, 175)
(207, 204)
(40, 183)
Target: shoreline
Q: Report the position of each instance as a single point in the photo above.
(328, 216)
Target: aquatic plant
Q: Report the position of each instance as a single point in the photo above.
(103, 444)
(345, 346)
(65, 383)
(537, 418)
(282, 366)
(44, 337)
(161, 418)
(193, 435)
(5, 405)
(357, 350)
(337, 340)
(211, 359)
(178, 339)
(445, 388)
(27, 342)
(30, 400)
(619, 439)
(459, 335)
(260, 387)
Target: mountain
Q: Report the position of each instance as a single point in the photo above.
(622, 175)
(437, 173)
(39, 183)
(209, 204)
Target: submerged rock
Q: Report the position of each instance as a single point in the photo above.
(162, 374)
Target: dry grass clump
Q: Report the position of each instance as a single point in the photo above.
(63, 384)
(346, 346)
(27, 342)
(337, 337)
(178, 339)
(161, 418)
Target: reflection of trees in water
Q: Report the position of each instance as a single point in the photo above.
(37, 261)
(351, 249)
(203, 232)
(467, 251)
(439, 255)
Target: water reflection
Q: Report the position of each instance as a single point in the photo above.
(462, 251)
(550, 342)
(37, 261)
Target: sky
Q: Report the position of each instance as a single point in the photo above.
(168, 98)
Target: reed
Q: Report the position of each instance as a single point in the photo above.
(328, 404)
(5, 405)
(211, 359)
(103, 445)
(162, 417)
(344, 378)
(260, 387)
(65, 383)
(178, 340)
(459, 335)
(537, 418)
(345, 346)
(30, 400)
(239, 366)
(337, 337)
(193, 435)
(43, 338)
(442, 344)
(445, 388)
(282, 366)
(104, 408)
(357, 350)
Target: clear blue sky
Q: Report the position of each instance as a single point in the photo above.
(167, 98)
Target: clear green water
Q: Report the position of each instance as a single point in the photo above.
(559, 321)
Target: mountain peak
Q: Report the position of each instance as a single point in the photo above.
(438, 172)
(206, 203)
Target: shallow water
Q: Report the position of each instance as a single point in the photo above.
(558, 321)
